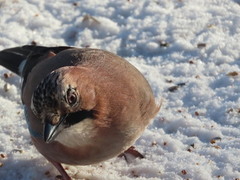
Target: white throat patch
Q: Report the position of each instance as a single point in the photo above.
(78, 135)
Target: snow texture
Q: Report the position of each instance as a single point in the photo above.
(189, 51)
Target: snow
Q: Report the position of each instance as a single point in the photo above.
(189, 51)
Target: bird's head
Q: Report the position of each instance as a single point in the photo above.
(62, 99)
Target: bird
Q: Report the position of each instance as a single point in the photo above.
(82, 105)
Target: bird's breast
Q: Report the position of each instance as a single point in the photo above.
(85, 143)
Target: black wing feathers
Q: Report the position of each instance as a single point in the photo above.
(14, 57)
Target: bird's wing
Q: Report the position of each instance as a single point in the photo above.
(22, 59)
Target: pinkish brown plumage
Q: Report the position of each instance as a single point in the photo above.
(82, 106)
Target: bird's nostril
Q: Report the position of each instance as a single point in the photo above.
(53, 119)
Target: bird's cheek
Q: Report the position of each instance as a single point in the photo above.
(88, 99)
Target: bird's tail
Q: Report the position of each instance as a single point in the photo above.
(17, 58)
(13, 58)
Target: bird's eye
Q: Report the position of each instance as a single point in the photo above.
(71, 97)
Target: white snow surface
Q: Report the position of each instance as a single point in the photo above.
(189, 51)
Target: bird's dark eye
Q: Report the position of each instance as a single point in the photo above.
(71, 97)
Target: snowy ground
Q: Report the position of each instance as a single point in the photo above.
(188, 50)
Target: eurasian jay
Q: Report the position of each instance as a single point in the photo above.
(82, 105)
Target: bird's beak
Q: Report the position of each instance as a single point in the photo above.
(50, 131)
